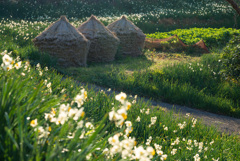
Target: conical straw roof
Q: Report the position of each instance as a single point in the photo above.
(65, 42)
(131, 37)
(123, 25)
(61, 30)
(104, 43)
(93, 27)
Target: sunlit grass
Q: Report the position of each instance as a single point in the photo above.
(196, 78)
(34, 127)
(136, 75)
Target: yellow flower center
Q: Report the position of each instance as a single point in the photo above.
(131, 130)
(83, 114)
(124, 116)
(128, 106)
(153, 152)
(135, 143)
(32, 122)
(53, 111)
(69, 108)
(49, 128)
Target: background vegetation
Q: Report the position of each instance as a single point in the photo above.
(231, 60)
(156, 15)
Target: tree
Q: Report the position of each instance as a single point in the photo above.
(234, 5)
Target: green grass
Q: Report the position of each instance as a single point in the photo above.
(196, 84)
(142, 75)
(28, 95)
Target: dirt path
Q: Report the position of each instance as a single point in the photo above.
(225, 124)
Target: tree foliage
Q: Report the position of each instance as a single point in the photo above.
(234, 5)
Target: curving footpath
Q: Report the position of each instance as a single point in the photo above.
(223, 123)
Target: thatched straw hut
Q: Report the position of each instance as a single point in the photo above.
(104, 43)
(131, 37)
(65, 42)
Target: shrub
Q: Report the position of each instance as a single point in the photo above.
(231, 60)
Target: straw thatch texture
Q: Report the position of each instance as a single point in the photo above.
(104, 43)
(65, 42)
(131, 37)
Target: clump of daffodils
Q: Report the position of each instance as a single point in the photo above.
(42, 132)
(61, 115)
(153, 121)
(48, 85)
(120, 115)
(120, 144)
(127, 146)
(10, 63)
(182, 125)
(80, 98)
(194, 121)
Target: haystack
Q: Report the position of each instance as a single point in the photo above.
(104, 43)
(131, 37)
(65, 42)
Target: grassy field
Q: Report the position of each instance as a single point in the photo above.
(192, 81)
(46, 115)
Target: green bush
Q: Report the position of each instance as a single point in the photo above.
(212, 37)
(231, 60)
